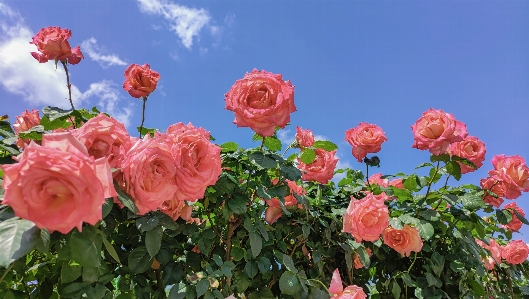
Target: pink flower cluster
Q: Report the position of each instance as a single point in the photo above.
(52, 43)
(515, 252)
(274, 210)
(350, 292)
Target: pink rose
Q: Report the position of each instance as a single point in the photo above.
(378, 180)
(496, 187)
(304, 137)
(514, 174)
(366, 138)
(52, 43)
(24, 122)
(140, 80)
(57, 185)
(177, 209)
(515, 252)
(356, 260)
(321, 169)
(148, 173)
(262, 101)
(397, 183)
(105, 137)
(515, 223)
(436, 130)
(470, 148)
(404, 240)
(274, 210)
(495, 250)
(366, 218)
(350, 292)
(197, 160)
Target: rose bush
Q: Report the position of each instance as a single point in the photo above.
(92, 212)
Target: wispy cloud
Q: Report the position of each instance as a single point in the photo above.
(91, 48)
(186, 22)
(41, 84)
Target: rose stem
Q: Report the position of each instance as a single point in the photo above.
(143, 114)
(68, 83)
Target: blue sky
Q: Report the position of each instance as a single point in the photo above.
(382, 62)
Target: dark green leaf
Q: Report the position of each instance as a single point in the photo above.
(426, 230)
(290, 172)
(70, 273)
(256, 243)
(153, 240)
(504, 216)
(263, 160)
(139, 260)
(308, 155)
(264, 264)
(326, 145)
(251, 269)
(147, 222)
(289, 283)
(75, 289)
(407, 279)
(17, 238)
(125, 199)
(395, 289)
(43, 243)
(521, 217)
(85, 247)
(454, 169)
(202, 287)
(289, 263)
(444, 158)
(237, 203)
(363, 256)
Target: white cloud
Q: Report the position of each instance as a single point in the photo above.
(286, 137)
(41, 84)
(186, 22)
(90, 47)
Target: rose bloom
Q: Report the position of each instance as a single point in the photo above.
(57, 185)
(495, 186)
(197, 160)
(436, 130)
(357, 263)
(52, 43)
(105, 137)
(262, 101)
(397, 183)
(148, 173)
(470, 148)
(514, 174)
(366, 138)
(140, 80)
(350, 292)
(366, 218)
(274, 210)
(404, 240)
(495, 250)
(24, 122)
(321, 169)
(515, 223)
(515, 252)
(378, 180)
(177, 209)
(304, 137)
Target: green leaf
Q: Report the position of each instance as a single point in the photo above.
(153, 240)
(54, 112)
(217, 259)
(443, 158)
(144, 131)
(229, 146)
(70, 273)
(107, 206)
(395, 289)
(125, 199)
(430, 215)
(273, 144)
(289, 263)
(395, 223)
(256, 243)
(454, 169)
(251, 269)
(290, 172)
(432, 280)
(139, 260)
(319, 294)
(363, 256)
(202, 287)
(85, 247)
(237, 253)
(75, 289)
(472, 201)
(521, 217)
(326, 145)
(477, 287)
(426, 230)
(43, 243)
(264, 264)
(17, 238)
(407, 279)
(504, 216)
(289, 283)
(237, 203)
(147, 223)
(172, 273)
(308, 155)
(263, 160)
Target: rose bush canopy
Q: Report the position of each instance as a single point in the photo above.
(88, 210)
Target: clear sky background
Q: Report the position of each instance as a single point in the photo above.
(382, 62)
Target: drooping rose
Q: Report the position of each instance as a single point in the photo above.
(470, 148)
(436, 130)
(366, 218)
(404, 240)
(321, 169)
(57, 185)
(515, 252)
(197, 160)
(513, 173)
(366, 138)
(274, 210)
(24, 122)
(177, 209)
(495, 250)
(495, 186)
(105, 137)
(262, 101)
(304, 137)
(140, 80)
(148, 173)
(52, 43)
(350, 292)
(515, 223)
(356, 259)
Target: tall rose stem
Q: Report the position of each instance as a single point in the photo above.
(262, 144)
(68, 83)
(367, 178)
(143, 114)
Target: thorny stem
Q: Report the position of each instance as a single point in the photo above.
(412, 263)
(262, 144)
(510, 282)
(144, 99)
(431, 179)
(68, 83)
(367, 178)
(446, 182)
